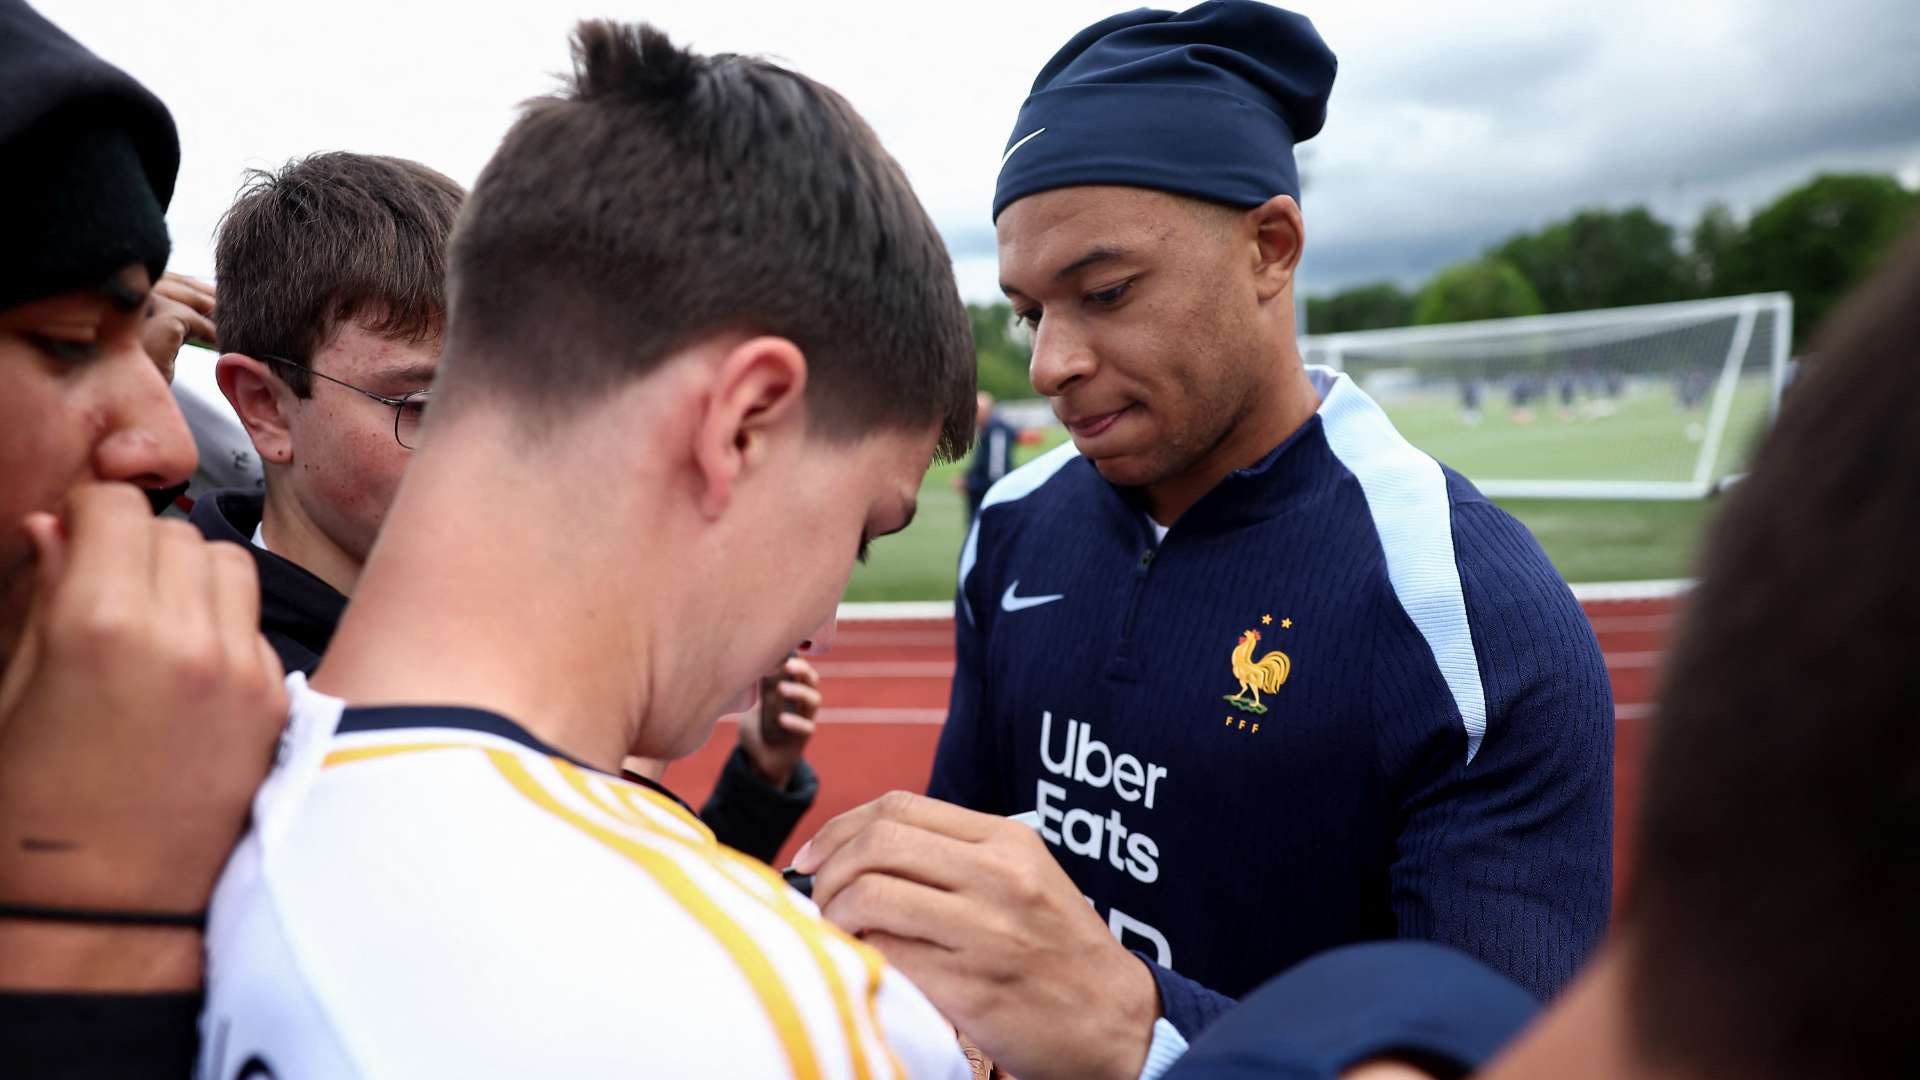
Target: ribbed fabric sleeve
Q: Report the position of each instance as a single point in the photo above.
(1188, 1006)
(1508, 858)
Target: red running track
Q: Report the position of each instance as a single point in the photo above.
(886, 696)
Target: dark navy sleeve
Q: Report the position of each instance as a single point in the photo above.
(1423, 1004)
(968, 767)
(1506, 852)
(1188, 1006)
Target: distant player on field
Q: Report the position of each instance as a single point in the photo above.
(993, 443)
(1270, 678)
(702, 343)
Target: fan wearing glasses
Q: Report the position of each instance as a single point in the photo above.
(331, 299)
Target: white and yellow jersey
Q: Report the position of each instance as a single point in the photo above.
(433, 892)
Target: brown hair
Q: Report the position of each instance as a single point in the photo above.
(664, 197)
(329, 238)
(1771, 923)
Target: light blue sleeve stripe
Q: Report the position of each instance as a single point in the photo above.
(1407, 496)
(1017, 484)
(1168, 1047)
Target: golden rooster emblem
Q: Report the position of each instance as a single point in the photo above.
(1265, 675)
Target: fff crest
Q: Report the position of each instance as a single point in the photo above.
(1264, 674)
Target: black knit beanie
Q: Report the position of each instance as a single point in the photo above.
(87, 163)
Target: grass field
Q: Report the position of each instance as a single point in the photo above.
(1646, 438)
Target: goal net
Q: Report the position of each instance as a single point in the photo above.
(1654, 402)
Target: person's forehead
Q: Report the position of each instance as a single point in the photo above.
(352, 349)
(1040, 228)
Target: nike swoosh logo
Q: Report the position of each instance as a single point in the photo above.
(1023, 141)
(1010, 602)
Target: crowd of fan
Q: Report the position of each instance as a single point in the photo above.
(689, 344)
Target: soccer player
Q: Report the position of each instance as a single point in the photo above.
(332, 306)
(1270, 678)
(138, 705)
(993, 443)
(704, 342)
(1769, 931)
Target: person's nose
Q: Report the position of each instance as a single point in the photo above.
(1061, 357)
(146, 441)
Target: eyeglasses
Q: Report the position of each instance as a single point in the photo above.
(408, 409)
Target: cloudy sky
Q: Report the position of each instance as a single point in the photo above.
(1452, 124)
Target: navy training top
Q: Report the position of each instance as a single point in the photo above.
(1345, 698)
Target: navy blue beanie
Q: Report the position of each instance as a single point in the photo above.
(1206, 102)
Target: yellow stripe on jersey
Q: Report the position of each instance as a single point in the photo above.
(809, 929)
(746, 955)
(871, 957)
(655, 798)
(367, 753)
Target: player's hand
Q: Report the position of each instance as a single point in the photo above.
(182, 312)
(974, 909)
(137, 716)
(777, 753)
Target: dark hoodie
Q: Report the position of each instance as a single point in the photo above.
(299, 611)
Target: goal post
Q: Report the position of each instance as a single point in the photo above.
(1661, 401)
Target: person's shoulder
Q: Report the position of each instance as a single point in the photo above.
(1031, 487)
(1407, 499)
(1047, 497)
(1507, 569)
(1395, 998)
(603, 903)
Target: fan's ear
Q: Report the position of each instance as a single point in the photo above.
(261, 402)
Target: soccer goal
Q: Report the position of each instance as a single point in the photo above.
(1655, 402)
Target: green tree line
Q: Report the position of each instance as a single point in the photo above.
(1001, 351)
(1814, 242)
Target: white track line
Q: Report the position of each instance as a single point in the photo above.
(1650, 659)
(896, 611)
(1605, 592)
